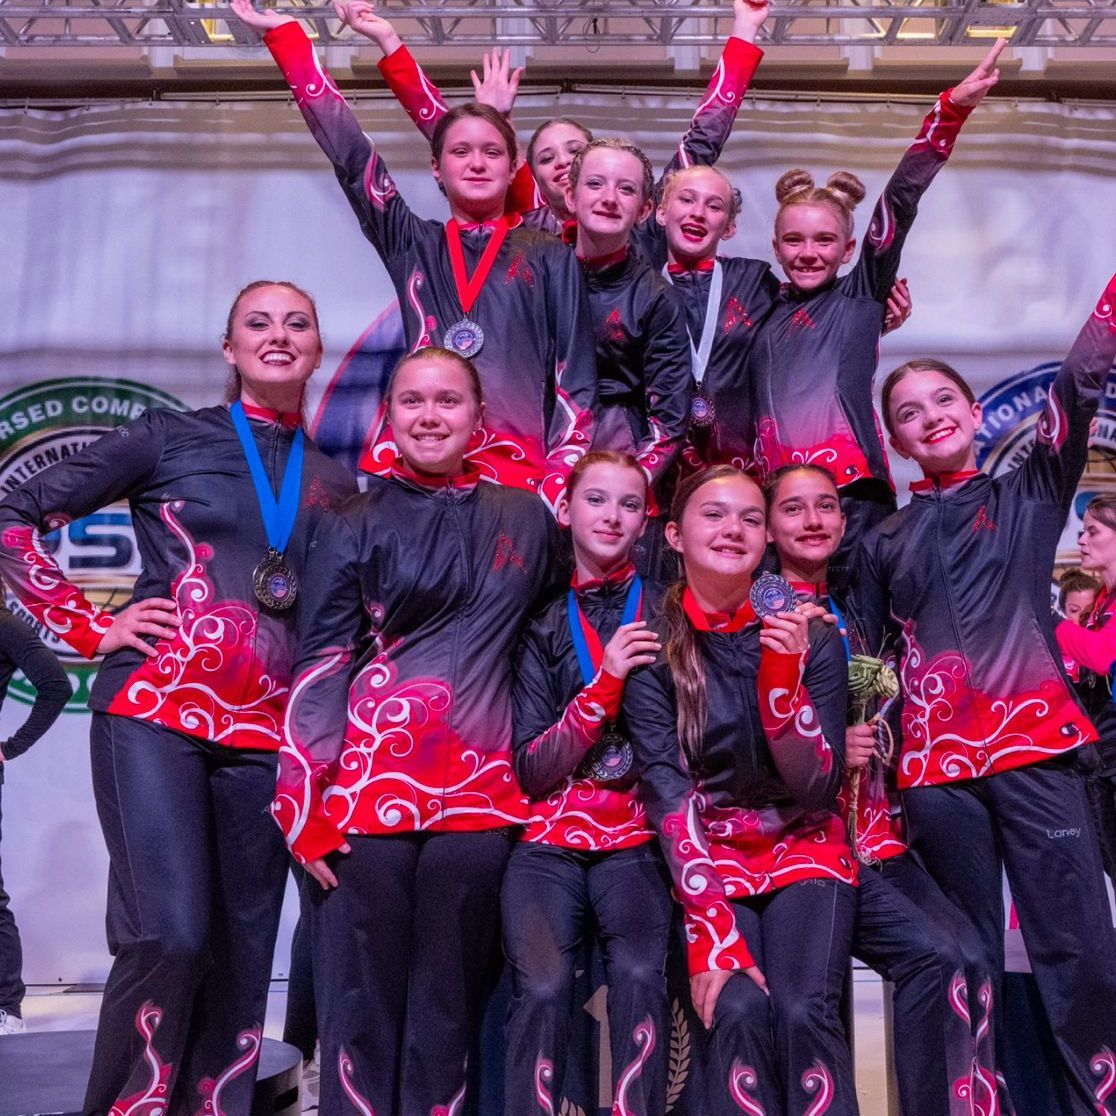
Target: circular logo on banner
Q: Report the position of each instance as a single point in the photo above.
(1011, 410)
(46, 423)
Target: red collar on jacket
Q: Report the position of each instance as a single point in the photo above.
(469, 476)
(514, 220)
(593, 263)
(716, 621)
(944, 480)
(289, 420)
(686, 269)
(815, 590)
(625, 573)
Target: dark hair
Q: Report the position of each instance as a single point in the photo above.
(603, 457)
(683, 651)
(1077, 581)
(471, 110)
(233, 384)
(434, 352)
(773, 480)
(532, 143)
(1104, 509)
(921, 364)
(614, 143)
(674, 180)
(842, 193)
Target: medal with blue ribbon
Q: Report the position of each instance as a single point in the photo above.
(273, 581)
(611, 757)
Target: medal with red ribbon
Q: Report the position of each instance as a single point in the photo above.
(611, 757)
(466, 337)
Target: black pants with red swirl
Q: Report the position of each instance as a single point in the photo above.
(11, 952)
(405, 952)
(552, 899)
(786, 1052)
(913, 936)
(197, 870)
(1034, 823)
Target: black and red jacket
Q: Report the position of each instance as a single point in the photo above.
(815, 359)
(400, 712)
(1094, 647)
(643, 365)
(880, 833)
(558, 720)
(536, 364)
(748, 293)
(225, 675)
(756, 811)
(702, 142)
(963, 571)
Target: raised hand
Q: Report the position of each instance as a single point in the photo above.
(361, 16)
(262, 19)
(499, 84)
(155, 616)
(632, 646)
(899, 306)
(970, 92)
(747, 18)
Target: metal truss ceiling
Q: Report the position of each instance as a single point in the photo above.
(587, 23)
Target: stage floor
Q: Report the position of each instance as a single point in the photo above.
(52, 1008)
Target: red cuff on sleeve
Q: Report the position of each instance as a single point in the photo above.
(318, 838)
(741, 60)
(703, 955)
(284, 37)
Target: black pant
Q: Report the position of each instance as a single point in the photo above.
(1034, 822)
(11, 954)
(403, 953)
(300, 1025)
(789, 1052)
(1102, 798)
(913, 936)
(550, 900)
(196, 875)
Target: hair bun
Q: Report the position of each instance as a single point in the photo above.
(791, 183)
(848, 186)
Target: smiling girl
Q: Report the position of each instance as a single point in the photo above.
(739, 730)
(189, 700)
(480, 283)
(396, 789)
(988, 769)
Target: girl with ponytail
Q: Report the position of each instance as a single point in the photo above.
(814, 360)
(738, 729)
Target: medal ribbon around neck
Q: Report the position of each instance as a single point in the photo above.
(468, 288)
(586, 642)
(278, 514)
(700, 353)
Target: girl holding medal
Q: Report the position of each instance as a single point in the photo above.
(738, 730)
(189, 702)
(587, 854)
(906, 929)
(516, 305)
(814, 362)
(988, 769)
(396, 788)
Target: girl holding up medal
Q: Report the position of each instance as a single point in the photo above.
(396, 789)
(515, 304)
(588, 854)
(906, 929)
(813, 364)
(738, 731)
(189, 702)
(988, 769)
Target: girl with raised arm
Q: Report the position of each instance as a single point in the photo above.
(738, 730)
(906, 929)
(587, 856)
(813, 364)
(988, 768)
(189, 702)
(507, 297)
(396, 788)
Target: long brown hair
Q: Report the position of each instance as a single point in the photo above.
(683, 651)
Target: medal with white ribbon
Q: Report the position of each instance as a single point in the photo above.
(273, 581)
(702, 411)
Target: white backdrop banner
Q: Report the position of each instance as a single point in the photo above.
(129, 227)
